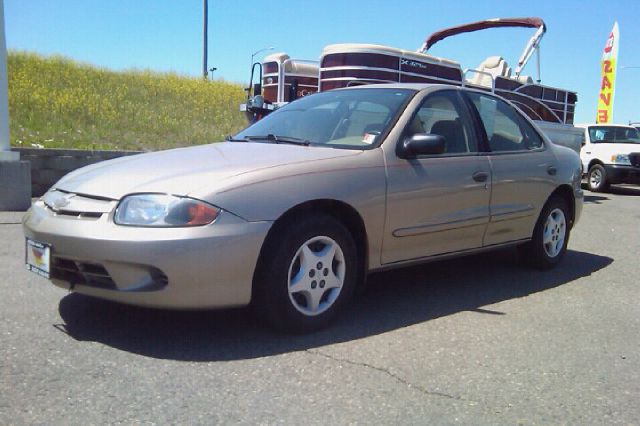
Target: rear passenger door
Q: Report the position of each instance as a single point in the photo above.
(522, 170)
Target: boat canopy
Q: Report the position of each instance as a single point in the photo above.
(480, 25)
(532, 46)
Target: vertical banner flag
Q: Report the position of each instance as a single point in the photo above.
(607, 82)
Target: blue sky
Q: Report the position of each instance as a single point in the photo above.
(166, 35)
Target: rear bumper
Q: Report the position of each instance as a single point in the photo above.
(622, 174)
(183, 268)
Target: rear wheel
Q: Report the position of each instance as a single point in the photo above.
(597, 179)
(548, 244)
(307, 275)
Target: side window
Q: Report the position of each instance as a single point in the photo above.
(442, 114)
(532, 139)
(506, 130)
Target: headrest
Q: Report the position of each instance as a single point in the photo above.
(492, 62)
(525, 79)
(446, 128)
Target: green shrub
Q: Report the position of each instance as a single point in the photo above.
(58, 103)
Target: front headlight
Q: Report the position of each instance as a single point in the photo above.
(164, 211)
(621, 159)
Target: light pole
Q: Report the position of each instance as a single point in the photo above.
(205, 21)
(5, 150)
(15, 175)
(258, 51)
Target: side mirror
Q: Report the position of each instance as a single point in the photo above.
(422, 144)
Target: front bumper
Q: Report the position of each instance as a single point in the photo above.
(578, 204)
(183, 268)
(622, 174)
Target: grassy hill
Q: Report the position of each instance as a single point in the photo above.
(57, 103)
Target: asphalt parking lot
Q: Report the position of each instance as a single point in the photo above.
(480, 340)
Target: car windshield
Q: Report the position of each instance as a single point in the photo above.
(340, 118)
(613, 134)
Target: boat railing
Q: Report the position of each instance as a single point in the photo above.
(558, 108)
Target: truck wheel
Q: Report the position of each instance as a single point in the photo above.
(306, 280)
(550, 236)
(597, 179)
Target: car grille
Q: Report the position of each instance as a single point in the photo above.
(95, 275)
(79, 206)
(79, 215)
(75, 272)
(634, 158)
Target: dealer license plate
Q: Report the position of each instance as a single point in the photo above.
(38, 257)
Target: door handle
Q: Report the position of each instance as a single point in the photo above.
(552, 170)
(480, 176)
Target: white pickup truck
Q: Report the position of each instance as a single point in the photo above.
(610, 154)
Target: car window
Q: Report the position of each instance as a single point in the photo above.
(342, 118)
(601, 134)
(366, 118)
(442, 113)
(506, 129)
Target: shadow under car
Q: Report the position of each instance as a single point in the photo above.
(392, 300)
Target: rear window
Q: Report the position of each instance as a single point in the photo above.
(506, 130)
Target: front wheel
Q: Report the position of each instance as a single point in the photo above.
(307, 275)
(597, 179)
(550, 237)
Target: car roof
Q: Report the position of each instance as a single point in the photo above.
(586, 125)
(414, 86)
(420, 87)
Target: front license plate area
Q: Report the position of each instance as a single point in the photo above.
(38, 257)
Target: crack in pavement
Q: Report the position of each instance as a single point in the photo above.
(388, 373)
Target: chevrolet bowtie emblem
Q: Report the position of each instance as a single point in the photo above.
(62, 200)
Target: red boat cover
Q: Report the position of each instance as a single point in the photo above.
(482, 25)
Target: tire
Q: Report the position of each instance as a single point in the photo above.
(550, 237)
(306, 277)
(597, 179)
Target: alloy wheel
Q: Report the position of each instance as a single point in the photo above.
(555, 229)
(595, 178)
(316, 275)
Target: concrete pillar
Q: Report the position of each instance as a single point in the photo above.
(15, 175)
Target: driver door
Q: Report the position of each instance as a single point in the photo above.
(438, 204)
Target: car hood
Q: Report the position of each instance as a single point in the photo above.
(619, 148)
(185, 170)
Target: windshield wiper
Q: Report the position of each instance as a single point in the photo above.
(231, 139)
(280, 139)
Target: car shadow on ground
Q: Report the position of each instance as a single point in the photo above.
(630, 190)
(625, 190)
(392, 300)
(595, 199)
